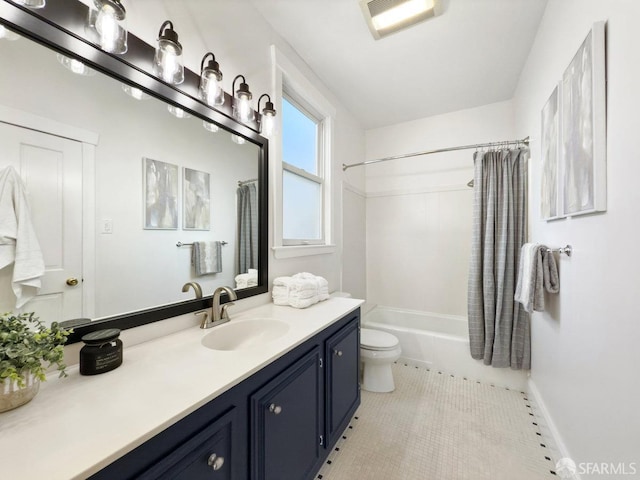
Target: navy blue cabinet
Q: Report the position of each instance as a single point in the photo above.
(286, 421)
(208, 455)
(279, 424)
(342, 353)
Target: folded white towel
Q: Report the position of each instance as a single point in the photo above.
(18, 242)
(249, 279)
(302, 302)
(300, 291)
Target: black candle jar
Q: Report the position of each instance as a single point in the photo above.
(102, 352)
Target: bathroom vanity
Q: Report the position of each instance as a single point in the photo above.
(181, 410)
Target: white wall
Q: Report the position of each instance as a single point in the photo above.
(585, 353)
(419, 209)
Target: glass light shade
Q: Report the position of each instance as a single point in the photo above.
(238, 139)
(242, 107)
(177, 112)
(134, 92)
(32, 3)
(268, 124)
(75, 66)
(110, 25)
(6, 34)
(168, 62)
(209, 126)
(211, 87)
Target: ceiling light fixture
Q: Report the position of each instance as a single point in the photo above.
(211, 81)
(242, 101)
(385, 17)
(268, 117)
(109, 20)
(167, 62)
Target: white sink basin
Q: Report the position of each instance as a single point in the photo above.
(243, 334)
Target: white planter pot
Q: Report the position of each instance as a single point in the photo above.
(13, 396)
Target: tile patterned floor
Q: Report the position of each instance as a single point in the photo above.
(439, 427)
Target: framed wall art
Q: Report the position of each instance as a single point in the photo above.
(196, 200)
(550, 197)
(160, 187)
(583, 128)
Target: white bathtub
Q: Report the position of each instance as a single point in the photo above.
(439, 342)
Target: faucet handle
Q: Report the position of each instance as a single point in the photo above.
(224, 314)
(205, 318)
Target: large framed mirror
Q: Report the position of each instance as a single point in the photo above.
(124, 174)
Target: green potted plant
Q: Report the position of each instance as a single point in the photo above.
(27, 349)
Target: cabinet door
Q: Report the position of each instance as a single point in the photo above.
(343, 388)
(208, 455)
(286, 422)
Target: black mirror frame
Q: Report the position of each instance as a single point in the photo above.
(60, 26)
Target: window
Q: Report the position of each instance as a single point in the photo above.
(303, 195)
(302, 175)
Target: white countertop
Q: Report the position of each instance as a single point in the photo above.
(77, 425)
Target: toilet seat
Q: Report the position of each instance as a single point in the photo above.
(377, 341)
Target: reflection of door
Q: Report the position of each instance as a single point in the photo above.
(51, 169)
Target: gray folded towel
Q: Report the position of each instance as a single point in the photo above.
(206, 257)
(537, 272)
(550, 272)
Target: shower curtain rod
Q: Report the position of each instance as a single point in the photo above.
(439, 150)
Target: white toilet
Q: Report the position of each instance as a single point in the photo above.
(378, 350)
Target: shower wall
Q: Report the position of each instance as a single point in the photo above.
(419, 210)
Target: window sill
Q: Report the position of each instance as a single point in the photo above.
(303, 250)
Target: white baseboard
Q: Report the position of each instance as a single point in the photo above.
(556, 444)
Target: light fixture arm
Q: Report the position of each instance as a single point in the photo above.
(204, 59)
(166, 23)
(233, 85)
(260, 99)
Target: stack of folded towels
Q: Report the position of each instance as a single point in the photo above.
(300, 290)
(246, 280)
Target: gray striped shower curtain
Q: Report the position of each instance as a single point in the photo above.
(498, 326)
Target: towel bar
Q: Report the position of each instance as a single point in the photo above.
(180, 244)
(562, 250)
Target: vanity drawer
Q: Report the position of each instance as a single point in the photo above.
(208, 455)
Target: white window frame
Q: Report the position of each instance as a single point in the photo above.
(299, 90)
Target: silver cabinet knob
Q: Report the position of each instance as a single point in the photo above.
(275, 409)
(215, 461)
(337, 352)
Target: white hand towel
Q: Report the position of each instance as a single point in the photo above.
(530, 278)
(18, 242)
